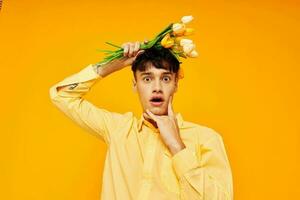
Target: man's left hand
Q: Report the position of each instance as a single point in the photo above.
(168, 128)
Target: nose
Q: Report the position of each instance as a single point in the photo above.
(157, 86)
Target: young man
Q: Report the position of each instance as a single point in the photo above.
(159, 155)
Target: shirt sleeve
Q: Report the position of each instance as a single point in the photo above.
(204, 172)
(97, 121)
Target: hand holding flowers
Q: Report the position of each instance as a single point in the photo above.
(172, 38)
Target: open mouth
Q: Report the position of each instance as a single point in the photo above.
(156, 101)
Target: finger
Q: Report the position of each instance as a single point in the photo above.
(151, 115)
(171, 112)
(170, 107)
(125, 52)
(145, 41)
(139, 52)
(136, 48)
(131, 48)
(146, 116)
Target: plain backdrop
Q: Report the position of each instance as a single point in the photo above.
(244, 84)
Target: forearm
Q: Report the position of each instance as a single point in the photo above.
(176, 147)
(102, 70)
(110, 67)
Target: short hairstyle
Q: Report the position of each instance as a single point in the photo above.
(160, 58)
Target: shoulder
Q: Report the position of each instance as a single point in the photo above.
(125, 118)
(123, 123)
(200, 132)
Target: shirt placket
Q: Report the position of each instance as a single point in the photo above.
(147, 175)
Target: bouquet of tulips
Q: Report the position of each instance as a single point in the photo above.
(172, 38)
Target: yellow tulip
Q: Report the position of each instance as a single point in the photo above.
(188, 31)
(178, 39)
(167, 41)
(177, 48)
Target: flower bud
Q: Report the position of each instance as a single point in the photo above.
(167, 41)
(193, 54)
(178, 29)
(185, 41)
(188, 31)
(187, 48)
(187, 19)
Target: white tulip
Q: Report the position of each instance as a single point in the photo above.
(187, 19)
(188, 48)
(193, 54)
(185, 41)
(177, 26)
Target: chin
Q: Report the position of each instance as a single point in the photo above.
(157, 111)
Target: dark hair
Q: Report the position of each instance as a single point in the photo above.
(160, 58)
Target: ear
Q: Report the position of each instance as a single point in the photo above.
(133, 85)
(176, 85)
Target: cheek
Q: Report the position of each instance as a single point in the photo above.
(170, 90)
(143, 93)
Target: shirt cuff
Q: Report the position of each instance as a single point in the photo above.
(85, 75)
(184, 161)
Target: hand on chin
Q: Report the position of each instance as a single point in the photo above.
(156, 111)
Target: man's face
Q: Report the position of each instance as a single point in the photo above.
(154, 87)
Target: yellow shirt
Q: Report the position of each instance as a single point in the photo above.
(138, 166)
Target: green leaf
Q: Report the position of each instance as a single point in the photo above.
(164, 30)
(103, 50)
(113, 45)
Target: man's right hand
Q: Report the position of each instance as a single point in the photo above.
(130, 51)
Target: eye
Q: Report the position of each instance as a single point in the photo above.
(166, 78)
(146, 78)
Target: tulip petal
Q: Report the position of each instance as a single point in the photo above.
(187, 19)
(193, 54)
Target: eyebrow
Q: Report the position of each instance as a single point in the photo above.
(149, 73)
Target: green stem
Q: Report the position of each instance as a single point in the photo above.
(113, 45)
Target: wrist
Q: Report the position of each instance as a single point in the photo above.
(105, 69)
(176, 147)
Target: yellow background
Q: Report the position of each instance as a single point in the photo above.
(243, 84)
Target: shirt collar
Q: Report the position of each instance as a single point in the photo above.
(142, 122)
